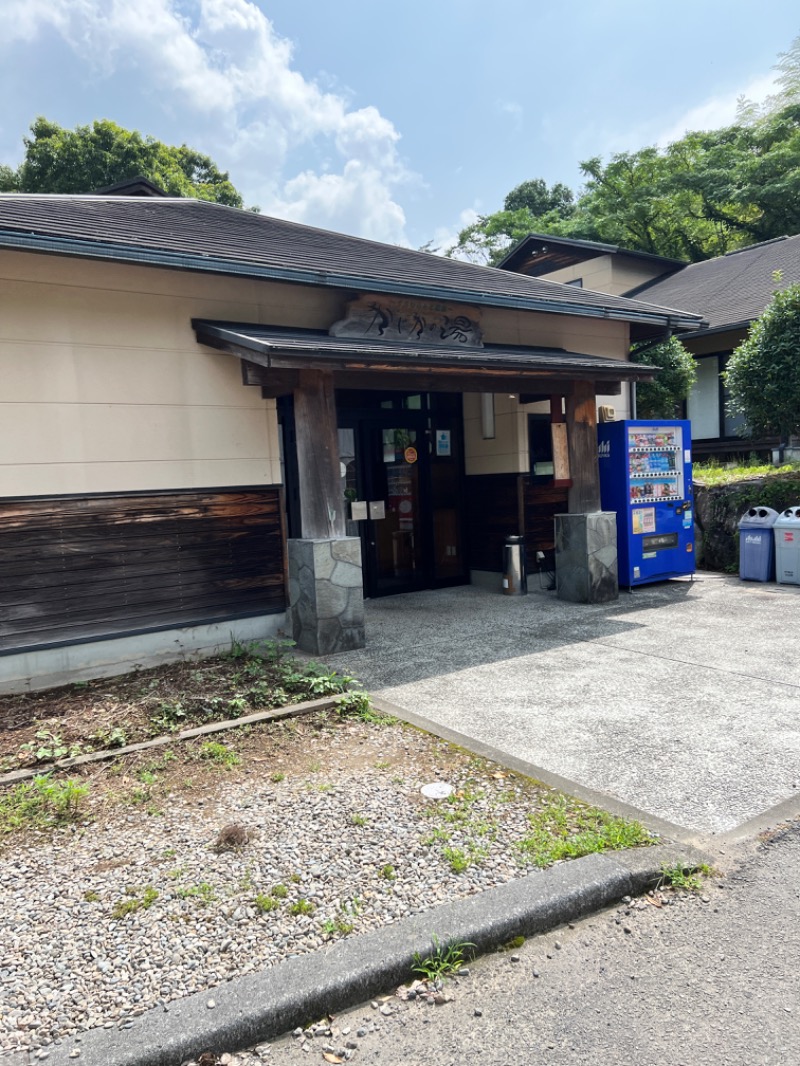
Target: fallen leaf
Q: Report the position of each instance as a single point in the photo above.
(654, 902)
(331, 1058)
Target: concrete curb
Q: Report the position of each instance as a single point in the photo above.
(299, 990)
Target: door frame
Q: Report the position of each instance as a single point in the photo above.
(364, 421)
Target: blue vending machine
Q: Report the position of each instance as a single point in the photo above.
(646, 477)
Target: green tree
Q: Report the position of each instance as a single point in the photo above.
(531, 207)
(763, 374)
(92, 157)
(663, 397)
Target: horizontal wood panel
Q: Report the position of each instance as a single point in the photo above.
(541, 503)
(100, 566)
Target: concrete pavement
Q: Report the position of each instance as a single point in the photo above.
(681, 700)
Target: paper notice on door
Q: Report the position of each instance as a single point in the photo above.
(644, 519)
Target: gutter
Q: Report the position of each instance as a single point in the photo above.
(206, 264)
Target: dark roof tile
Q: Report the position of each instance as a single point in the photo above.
(196, 235)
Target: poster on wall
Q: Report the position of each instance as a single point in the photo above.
(443, 442)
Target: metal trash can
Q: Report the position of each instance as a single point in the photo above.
(757, 545)
(515, 582)
(787, 546)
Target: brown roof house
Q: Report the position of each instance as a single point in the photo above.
(218, 425)
(728, 292)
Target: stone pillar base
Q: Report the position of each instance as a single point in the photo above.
(586, 557)
(326, 596)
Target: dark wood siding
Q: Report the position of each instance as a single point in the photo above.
(541, 503)
(503, 504)
(91, 567)
(493, 513)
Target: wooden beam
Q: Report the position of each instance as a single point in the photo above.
(581, 413)
(321, 497)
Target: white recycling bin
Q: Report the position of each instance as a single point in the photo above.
(787, 546)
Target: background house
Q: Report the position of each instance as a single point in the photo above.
(208, 415)
(728, 292)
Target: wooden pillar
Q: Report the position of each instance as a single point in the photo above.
(581, 411)
(321, 497)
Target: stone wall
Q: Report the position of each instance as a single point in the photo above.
(718, 509)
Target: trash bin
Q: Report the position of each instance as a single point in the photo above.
(756, 544)
(787, 546)
(514, 581)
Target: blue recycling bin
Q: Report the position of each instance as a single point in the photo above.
(757, 544)
(787, 546)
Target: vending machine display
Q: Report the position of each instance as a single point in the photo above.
(646, 477)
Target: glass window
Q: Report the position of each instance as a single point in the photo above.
(702, 407)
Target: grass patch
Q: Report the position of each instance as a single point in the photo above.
(204, 893)
(445, 959)
(715, 473)
(567, 829)
(687, 879)
(302, 906)
(218, 753)
(138, 900)
(264, 903)
(41, 802)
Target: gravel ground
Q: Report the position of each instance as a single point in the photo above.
(107, 920)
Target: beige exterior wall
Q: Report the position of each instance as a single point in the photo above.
(588, 336)
(508, 451)
(612, 274)
(596, 274)
(104, 387)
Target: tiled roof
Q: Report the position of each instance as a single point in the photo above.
(297, 344)
(731, 289)
(195, 235)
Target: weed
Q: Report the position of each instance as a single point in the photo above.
(279, 891)
(264, 904)
(444, 959)
(437, 836)
(686, 878)
(135, 902)
(356, 704)
(237, 706)
(147, 777)
(382, 764)
(359, 819)
(387, 872)
(277, 777)
(204, 893)
(219, 753)
(301, 906)
(41, 802)
(47, 747)
(170, 853)
(566, 829)
(178, 872)
(91, 896)
(169, 717)
(295, 879)
(314, 767)
(109, 738)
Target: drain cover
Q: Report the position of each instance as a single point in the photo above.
(437, 790)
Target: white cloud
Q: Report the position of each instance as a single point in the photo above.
(222, 62)
(718, 111)
(445, 237)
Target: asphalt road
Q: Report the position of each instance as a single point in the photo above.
(708, 979)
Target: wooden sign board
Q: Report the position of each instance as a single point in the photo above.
(398, 318)
(560, 451)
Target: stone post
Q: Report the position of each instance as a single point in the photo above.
(326, 597)
(586, 557)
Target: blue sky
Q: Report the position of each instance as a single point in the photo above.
(392, 120)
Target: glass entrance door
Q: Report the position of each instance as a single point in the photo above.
(402, 474)
(394, 457)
